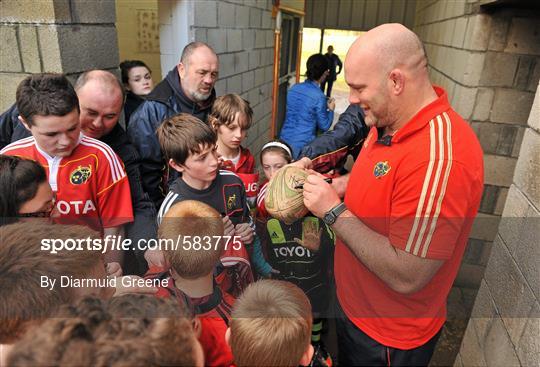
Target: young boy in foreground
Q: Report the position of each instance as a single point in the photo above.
(131, 330)
(190, 272)
(86, 175)
(25, 301)
(271, 326)
(189, 145)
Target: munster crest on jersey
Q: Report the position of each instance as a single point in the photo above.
(231, 202)
(381, 169)
(80, 175)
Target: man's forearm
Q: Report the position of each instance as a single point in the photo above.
(392, 266)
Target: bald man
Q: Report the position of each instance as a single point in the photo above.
(408, 208)
(101, 99)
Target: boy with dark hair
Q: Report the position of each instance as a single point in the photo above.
(189, 145)
(271, 326)
(99, 333)
(190, 277)
(87, 176)
(308, 109)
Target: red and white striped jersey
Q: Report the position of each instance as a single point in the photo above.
(421, 189)
(91, 185)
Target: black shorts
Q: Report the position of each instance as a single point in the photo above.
(356, 348)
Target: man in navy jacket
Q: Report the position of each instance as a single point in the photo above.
(188, 88)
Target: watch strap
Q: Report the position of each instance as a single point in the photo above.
(331, 216)
(338, 209)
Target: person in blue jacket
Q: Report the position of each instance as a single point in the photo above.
(308, 109)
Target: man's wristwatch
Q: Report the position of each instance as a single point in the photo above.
(331, 216)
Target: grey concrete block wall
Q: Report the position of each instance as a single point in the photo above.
(241, 33)
(487, 63)
(504, 328)
(63, 36)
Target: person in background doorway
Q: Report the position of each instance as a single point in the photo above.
(333, 63)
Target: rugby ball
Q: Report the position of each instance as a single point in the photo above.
(284, 201)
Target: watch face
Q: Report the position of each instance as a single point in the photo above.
(329, 218)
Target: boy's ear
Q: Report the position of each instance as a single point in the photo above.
(228, 336)
(176, 166)
(25, 124)
(213, 123)
(307, 356)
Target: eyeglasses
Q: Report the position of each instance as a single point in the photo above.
(40, 214)
(43, 214)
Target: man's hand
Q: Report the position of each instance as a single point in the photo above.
(312, 237)
(114, 269)
(154, 258)
(319, 196)
(120, 289)
(245, 232)
(331, 104)
(339, 184)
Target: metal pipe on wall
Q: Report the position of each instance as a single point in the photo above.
(299, 49)
(275, 85)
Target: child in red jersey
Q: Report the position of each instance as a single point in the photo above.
(231, 118)
(194, 231)
(88, 178)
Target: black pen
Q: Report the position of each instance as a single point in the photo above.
(301, 186)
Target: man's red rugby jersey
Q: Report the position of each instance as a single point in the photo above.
(420, 188)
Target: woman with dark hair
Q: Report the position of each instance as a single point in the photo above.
(24, 190)
(137, 80)
(308, 109)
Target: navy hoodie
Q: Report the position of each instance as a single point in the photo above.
(166, 100)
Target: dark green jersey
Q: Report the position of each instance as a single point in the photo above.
(308, 269)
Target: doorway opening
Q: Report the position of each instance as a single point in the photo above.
(316, 40)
